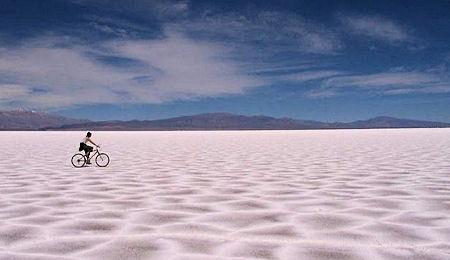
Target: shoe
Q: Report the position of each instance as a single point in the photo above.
(88, 162)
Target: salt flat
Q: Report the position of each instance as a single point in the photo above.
(345, 194)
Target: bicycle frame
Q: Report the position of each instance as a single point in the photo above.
(95, 152)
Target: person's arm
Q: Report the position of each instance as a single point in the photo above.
(92, 142)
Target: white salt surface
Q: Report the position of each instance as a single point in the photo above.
(351, 194)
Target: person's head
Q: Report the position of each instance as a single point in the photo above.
(88, 134)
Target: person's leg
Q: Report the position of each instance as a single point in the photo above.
(88, 151)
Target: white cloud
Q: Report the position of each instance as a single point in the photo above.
(376, 27)
(189, 68)
(171, 68)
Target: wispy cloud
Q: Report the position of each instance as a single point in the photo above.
(171, 68)
(12, 92)
(386, 79)
(427, 90)
(376, 27)
(285, 30)
(310, 75)
(386, 83)
(146, 9)
(321, 93)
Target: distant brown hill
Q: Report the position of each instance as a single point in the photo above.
(227, 121)
(391, 122)
(30, 120)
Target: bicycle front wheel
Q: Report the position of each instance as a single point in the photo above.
(78, 160)
(102, 160)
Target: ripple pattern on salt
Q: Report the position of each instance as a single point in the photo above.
(347, 194)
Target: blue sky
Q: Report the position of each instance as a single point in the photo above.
(320, 60)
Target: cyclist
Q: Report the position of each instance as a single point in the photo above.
(86, 148)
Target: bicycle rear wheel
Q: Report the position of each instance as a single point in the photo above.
(102, 160)
(78, 160)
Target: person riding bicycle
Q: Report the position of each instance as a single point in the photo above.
(86, 148)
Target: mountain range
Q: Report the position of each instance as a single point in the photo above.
(29, 120)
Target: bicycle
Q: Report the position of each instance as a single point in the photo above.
(101, 159)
